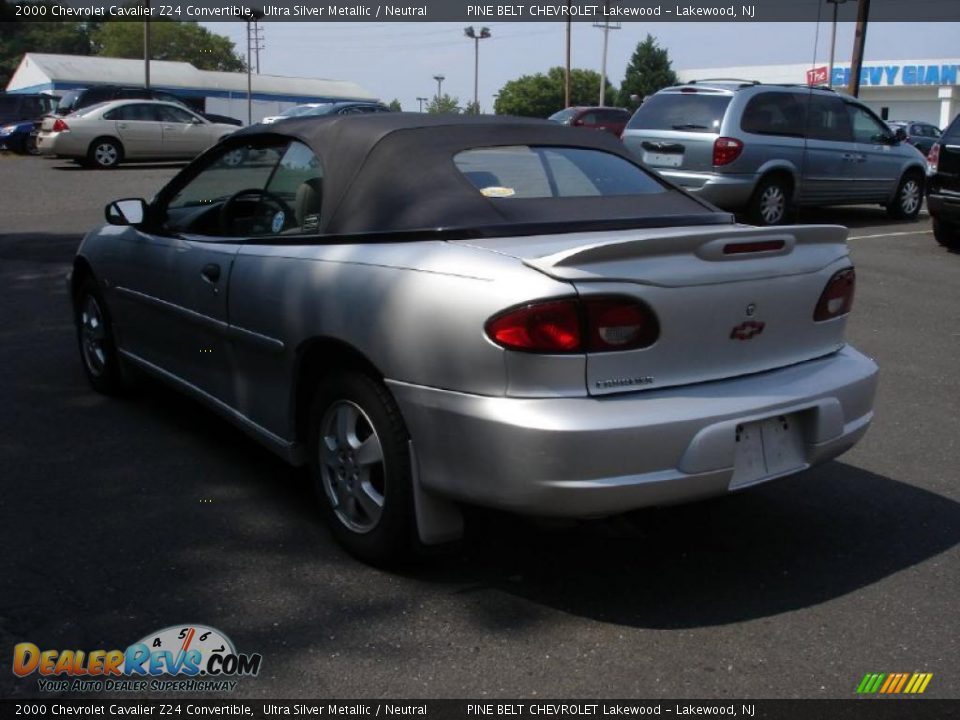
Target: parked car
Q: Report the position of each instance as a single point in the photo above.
(19, 137)
(593, 118)
(110, 133)
(943, 186)
(19, 119)
(343, 108)
(764, 149)
(919, 134)
(15, 107)
(529, 320)
(74, 100)
(295, 111)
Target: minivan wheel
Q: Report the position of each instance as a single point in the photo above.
(906, 203)
(105, 153)
(947, 234)
(360, 467)
(770, 203)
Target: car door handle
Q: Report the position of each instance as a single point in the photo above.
(211, 273)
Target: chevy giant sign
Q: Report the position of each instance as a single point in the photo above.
(890, 75)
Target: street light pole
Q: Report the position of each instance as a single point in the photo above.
(422, 100)
(833, 38)
(146, 48)
(439, 79)
(252, 16)
(483, 34)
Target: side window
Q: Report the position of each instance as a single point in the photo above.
(952, 132)
(228, 196)
(774, 114)
(174, 115)
(828, 119)
(866, 128)
(589, 118)
(298, 181)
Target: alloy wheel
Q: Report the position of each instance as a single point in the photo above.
(772, 205)
(93, 336)
(352, 466)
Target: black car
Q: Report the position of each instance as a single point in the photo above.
(943, 186)
(74, 100)
(921, 135)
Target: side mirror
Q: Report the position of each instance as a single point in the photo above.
(900, 135)
(577, 122)
(129, 211)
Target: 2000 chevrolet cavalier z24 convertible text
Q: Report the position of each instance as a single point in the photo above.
(437, 311)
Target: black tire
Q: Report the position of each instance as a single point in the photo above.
(947, 234)
(348, 485)
(30, 145)
(770, 204)
(105, 153)
(98, 350)
(908, 199)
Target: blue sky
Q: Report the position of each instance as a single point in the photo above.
(399, 60)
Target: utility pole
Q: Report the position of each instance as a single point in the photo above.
(606, 27)
(863, 17)
(252, 16)
(258, 43)
(471, 33)
(422, 100)
(566, 68)
(146, 47)
(833, 38)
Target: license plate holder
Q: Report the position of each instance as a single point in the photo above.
(663, 159)
(767, 448)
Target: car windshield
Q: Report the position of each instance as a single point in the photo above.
(67, 101)
(564, 116)
(297, 111)
(324, 109)
(691, 111)
(90, 109)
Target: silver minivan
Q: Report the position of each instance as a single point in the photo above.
(765, 149)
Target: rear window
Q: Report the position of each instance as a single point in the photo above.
(686, 111)
(564, 116)
(523, 171)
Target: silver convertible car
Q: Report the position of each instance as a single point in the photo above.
(439, 311)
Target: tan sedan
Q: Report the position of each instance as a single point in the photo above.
(107, 134)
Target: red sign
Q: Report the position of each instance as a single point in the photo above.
(817, 76)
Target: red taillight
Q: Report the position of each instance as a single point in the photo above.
(60, 126)
(837, 297)
(753, 247)
(726, 150)
(933, 159)
(576, 326)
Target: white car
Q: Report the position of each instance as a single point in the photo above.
(106, 134)
(295, 111)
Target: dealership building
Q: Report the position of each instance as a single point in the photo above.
(926, 90)
(224, 93)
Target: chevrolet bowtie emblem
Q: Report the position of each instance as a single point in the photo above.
(747, 330)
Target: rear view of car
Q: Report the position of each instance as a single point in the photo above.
(765, 149)
(943, 186)
(613, 120)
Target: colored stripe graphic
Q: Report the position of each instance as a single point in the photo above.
(894, 683)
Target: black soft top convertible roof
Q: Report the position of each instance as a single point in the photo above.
(394, 172)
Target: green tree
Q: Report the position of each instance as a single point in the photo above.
(181, 41)
(648, 71)
(443, 104)
(541, 95)
(472, 108)
(395, 105)
(17, 38)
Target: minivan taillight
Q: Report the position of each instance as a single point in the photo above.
(726, 150)
(837, 297)
(933, 159)
(60, 126)
(596, 324)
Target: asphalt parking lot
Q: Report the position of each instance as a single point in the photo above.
(122, 517)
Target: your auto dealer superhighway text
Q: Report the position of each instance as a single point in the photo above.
(567, 709)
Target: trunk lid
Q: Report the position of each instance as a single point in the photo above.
(724, 307)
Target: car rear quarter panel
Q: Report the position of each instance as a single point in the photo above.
(416, 311)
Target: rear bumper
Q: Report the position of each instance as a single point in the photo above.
(944, 207)
(56, 143)
(597, 456)
(730, 192)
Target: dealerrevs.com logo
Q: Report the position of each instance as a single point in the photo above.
(180, 658)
